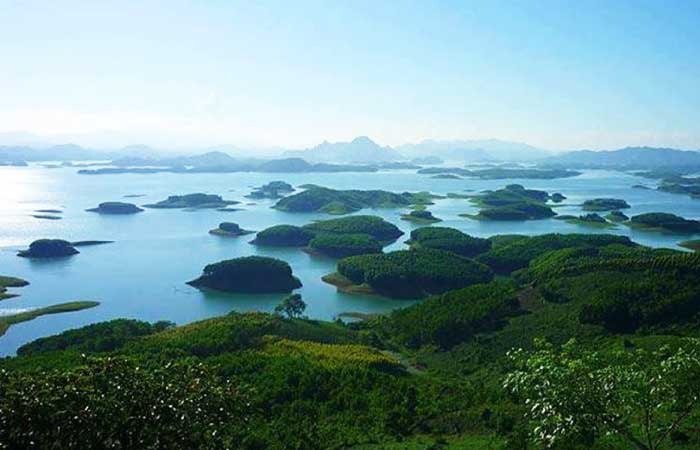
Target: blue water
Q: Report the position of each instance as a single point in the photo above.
(142, 275)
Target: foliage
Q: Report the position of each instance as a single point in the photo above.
(449, 239)
(573, 395)
(98, 337)
(343, 245)
(518, 253)
(284, 236)
(451, 318)
(114, 403)
(292, 306)
(414, 273)
(373, 226)
(249, 274)
(514, 202)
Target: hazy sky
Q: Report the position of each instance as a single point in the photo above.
(556, 74)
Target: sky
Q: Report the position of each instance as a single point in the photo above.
(554, 74)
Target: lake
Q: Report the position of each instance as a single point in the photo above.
(142, 274)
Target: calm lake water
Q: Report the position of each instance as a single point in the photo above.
(142, 275)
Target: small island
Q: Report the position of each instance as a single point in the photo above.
(229, 229)
(605, 204)
(116, 208)
(420, 217)
(339, 202)
(49, 248)
(192, 201)
(10, 282)
(343, 245)
(46, 217)
(664, 222)
(273, 190)
(374, 226)
(591, 220)
(248, 275)
(448, 239)
(283, 236)
(408, 274)
(617, 216)
(513, 203)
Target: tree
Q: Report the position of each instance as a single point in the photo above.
(573, 395)
(292, 305)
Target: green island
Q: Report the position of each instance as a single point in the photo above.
(248, 275)
(420, 216)
(116, 208)
(513, 202)
(693, 245)
(11, 319)
(295, 236)
(283, 236)
(332, 201)
(664, 222)
(229, 229)
(409, 273)
(611, 327)
(343, 245)
(10, 282)
(273, 190)
(591, 220)
(617, 216)
(679, 184)
(448, 239)
(49, 248)
(192, 201)
(604, 204)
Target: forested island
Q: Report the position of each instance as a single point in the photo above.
(331, 201)
(409, 273)
(664, 222)
(420, 216)
(249, 275)
(116, 208)
(229, 229)
(605, 204)
(193, 201)
(514, 202)
(10, 282)
(49, 248)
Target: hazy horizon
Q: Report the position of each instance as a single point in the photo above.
(268, 76)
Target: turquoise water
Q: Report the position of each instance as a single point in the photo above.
(142, 275)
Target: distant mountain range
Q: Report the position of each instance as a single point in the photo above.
(487, 150)
(628, 158)
(360, 150)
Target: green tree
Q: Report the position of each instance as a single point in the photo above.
(573, 395)
(292, 306)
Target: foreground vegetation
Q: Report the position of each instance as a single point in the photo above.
(609, 326)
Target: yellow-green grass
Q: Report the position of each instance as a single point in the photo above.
(7, 321)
